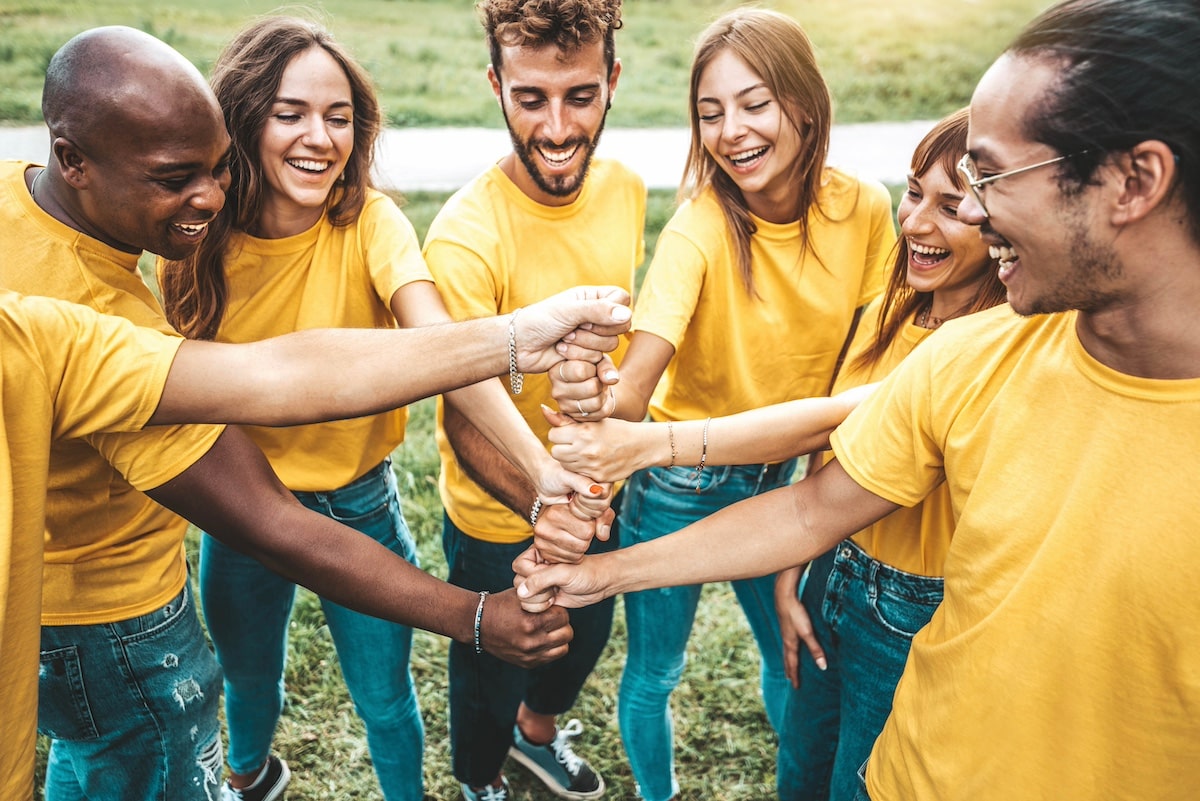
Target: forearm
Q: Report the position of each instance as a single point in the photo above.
(774, 531)
(487, 466)
(280, 382)
(769, 434)
(489, 411)
(232, 493)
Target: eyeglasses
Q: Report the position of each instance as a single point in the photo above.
(967, 167)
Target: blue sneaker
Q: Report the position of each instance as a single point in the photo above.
(565, 773)
(487, 793)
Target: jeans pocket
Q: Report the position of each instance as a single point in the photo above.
(63, 709)
(905, 613)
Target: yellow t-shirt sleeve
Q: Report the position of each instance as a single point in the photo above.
(392, 251)
(887, 445)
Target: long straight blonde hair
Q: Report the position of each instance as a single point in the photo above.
(778, 50)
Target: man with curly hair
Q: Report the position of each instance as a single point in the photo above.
(545, 216)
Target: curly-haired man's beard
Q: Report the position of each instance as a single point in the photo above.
(556, 185)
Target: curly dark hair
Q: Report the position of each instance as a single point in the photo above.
(566, 24)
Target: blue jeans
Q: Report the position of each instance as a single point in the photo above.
(658, 501)
(865, 614)
(132, 708)
(247, 609)
(485, 692)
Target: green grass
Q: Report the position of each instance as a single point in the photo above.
(884, 60)
(724, 746)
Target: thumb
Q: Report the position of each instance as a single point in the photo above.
(556, 419)
(538, 583)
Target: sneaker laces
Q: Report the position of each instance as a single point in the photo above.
(561, 746)
(491, 793)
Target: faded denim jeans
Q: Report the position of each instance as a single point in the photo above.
(132, 708)
(658, 501)
(247, 608)
(864, 614)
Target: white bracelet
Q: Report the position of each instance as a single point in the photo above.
(479, 619)
(534, 512)
(516, 380)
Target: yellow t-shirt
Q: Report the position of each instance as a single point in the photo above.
(1064, 662)
(910, 539)
(735, 352)
(326, 277)
(65, 372)
(111, 552)
(492, 249)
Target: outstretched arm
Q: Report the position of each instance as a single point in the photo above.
(232, 493)
(318, 375)
(764, 534)
(611, 449)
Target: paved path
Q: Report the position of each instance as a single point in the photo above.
(443, 159)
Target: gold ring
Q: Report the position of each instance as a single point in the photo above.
(582, 413)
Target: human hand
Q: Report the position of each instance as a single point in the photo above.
(582, 321)
(608, 450)
(556, 484)
(526, 639)
(540, 585)
(582, 388)
(795, 626)
(562, 535)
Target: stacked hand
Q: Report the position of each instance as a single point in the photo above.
(527, 639)
(581, 323)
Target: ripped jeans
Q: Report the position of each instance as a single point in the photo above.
(132, 708)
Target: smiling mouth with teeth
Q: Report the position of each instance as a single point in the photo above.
(556, 158)
(742, 159)
(925, 255)
(1003, 254)
(191, 229)
(309, 165)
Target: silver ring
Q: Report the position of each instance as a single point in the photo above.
(560, 371)
(582, 413)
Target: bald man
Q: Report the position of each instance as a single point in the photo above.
(128, 689)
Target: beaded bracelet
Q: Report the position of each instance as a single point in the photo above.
(479, 619)
(534, 512)
(516, 380)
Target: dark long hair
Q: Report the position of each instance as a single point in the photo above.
(941, 147)
(776, 48)
(246, 79)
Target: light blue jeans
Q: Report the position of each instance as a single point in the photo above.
(864, 613)
(132, 708)
(656, 502)
(247, 608)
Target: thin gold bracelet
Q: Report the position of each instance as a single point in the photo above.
(671, 439)
(703, 454)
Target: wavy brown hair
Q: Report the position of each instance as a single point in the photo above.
(778, 50)
(566, 24)
(246, 79)
(942, 147)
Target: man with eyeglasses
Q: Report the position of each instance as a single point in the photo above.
(1064, 661)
